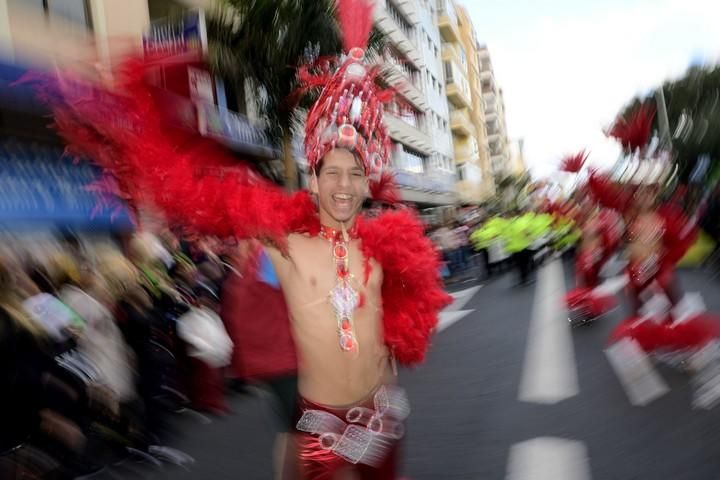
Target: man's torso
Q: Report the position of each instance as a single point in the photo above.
(327, 374)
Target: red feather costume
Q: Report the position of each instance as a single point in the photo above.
(200, 187)
(196, 184)
(657, 240)
(573, 163)
(601, 236)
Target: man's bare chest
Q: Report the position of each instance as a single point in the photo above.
(316, 271)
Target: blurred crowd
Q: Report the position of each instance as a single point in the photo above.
(488, 244)
(103, 342)
(480, 245)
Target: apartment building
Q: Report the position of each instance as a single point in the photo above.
(500, 158)
(464, 97)
(419, 122)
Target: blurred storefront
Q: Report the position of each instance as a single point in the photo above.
(42, 189)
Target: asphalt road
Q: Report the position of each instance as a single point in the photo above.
(494, 402)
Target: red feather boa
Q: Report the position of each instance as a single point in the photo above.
(199, 186)
(412, 293)
(693, 333)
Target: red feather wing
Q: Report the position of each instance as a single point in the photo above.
(412, 292)
(192, 180)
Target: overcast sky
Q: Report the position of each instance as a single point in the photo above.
(568, 66)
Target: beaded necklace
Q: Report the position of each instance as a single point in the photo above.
(343, 298)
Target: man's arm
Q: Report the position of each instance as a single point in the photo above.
(281, 263)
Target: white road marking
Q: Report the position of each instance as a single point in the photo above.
(548, 458)
(445, 319)
(641, 382)
(549, 373)
(453, 312)
(612, 285)
(462, 297)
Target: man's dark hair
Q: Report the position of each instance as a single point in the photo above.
(318, 167)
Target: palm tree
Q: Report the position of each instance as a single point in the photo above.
(260, 43)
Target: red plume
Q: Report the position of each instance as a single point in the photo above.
(355, 17)
(633, 132)
(574, 163)
(384, 189)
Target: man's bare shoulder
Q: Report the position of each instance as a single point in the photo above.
(296, 243)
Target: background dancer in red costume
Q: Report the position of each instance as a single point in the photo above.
(657, 237)
(361, 293)
(601, 235)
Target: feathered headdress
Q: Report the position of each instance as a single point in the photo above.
(349, 112)
(633, 132)
(574, 163)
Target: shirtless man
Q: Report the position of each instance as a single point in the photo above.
(360, 292)
(328, 375)
(332, 378)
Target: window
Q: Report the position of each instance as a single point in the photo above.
(474, 147)
(410, 160)
(461, 172)
(448, 71)
(400, 20)
(76, 12)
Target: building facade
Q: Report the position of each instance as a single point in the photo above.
(418, 123)
(92, 35)
(87, 35)
(461, 77)
(517, 158)
(485, 188)
(500, 156)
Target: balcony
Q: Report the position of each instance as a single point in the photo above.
(457, 91)
(431, 187)
(460, 122)
(448, 21)
(408, 8)
(400, 32)
(404, 132)
(498, 162)
(451, 53)
(456, 95)
(457, 86)
(463, 155)
(494, 137)
(234, 130)
(405, 80)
